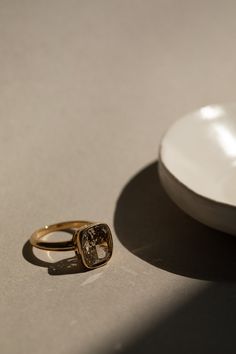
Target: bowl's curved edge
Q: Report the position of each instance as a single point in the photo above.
(214, 214)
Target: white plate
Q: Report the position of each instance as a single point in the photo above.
(197, 165)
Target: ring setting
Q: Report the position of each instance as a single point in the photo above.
(92, 241)
(94, 244)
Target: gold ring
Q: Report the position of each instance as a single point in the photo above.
(92, 241)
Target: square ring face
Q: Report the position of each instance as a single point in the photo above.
(95, 245)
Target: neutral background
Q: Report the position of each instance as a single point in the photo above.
(87, 88)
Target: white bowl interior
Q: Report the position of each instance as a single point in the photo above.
(200, 151)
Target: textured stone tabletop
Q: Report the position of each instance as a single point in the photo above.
(87, 88)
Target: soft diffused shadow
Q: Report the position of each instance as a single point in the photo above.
(204, 324)
(70, 265)
(152, 227)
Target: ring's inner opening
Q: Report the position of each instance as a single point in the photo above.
(57, 236)
(52, 256)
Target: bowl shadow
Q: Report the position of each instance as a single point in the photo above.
(153, 228)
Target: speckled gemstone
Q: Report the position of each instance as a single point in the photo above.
(95, 245)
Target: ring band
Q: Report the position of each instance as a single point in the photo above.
(92, 241)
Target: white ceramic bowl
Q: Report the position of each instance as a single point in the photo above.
(197, 165)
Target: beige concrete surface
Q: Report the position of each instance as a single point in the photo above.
(87, 89)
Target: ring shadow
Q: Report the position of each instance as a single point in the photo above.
(65, 266)
(153, 228)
